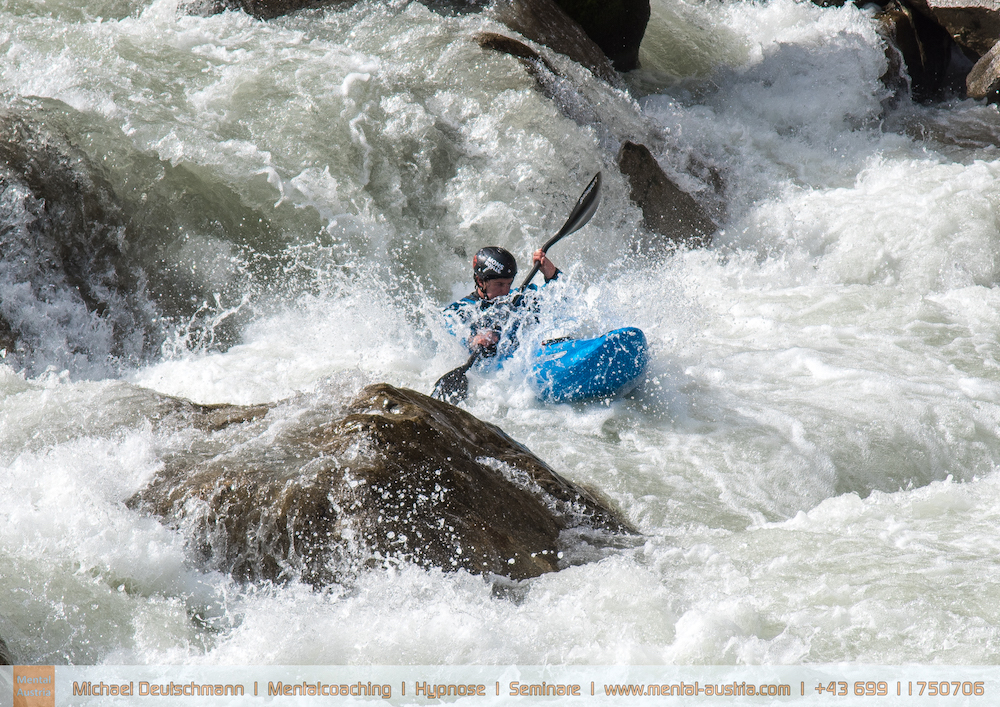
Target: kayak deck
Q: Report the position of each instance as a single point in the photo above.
(574, 370)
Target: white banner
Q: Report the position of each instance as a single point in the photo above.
(845, 684)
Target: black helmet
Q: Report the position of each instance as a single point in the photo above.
(492, 263)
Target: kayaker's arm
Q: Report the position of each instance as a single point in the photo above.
(548, 268)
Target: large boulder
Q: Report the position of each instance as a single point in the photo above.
(974, 24)
(668, 212)
(399, 477)
(545, 23)
(617, 26)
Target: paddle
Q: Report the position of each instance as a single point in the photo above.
(453, 386)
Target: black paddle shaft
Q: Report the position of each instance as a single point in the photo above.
(453, 386)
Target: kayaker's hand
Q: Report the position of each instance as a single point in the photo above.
(547, 267)
(486, 340)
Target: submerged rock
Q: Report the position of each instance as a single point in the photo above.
(65, 279)
(532, 60)
(399, 477)
(548, 79)
(104, 248)
(666, 210)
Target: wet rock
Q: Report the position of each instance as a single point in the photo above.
(261, 9)
(212, 418)
(5, 655)
(398, 476)
(974, 24)
(616, 26)
(667, 211)
(534, 62)
(585, 109)
(548, 79)
(62, 260)
(545, 23)
(508, 45)
(924, 47)
(8, 339)
(984, 79)
(105, 249)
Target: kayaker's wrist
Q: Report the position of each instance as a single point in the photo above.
(555, 275)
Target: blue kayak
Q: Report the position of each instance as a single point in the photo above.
(573, 370)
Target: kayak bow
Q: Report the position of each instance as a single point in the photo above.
(574, 370)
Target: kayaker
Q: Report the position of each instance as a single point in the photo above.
(488, 310)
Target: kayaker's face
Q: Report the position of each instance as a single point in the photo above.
(497, 288)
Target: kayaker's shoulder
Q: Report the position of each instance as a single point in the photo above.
(471, 298)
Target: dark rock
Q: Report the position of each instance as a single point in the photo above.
(212, 418)
(548, 79)
(61, 247)
(896, 31)
(666, 210)
(6, 658)
(8, 339)
(261, 9)
(925, 49)
(400, 477)
(974, 24)
(104, 248)
(617, 26)
(984, 79)
(532, 60)
(545, 23)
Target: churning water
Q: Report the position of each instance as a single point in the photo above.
(810, 461)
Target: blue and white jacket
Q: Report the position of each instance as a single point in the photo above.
(505, 315)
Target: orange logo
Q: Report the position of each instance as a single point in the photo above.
(34, 686)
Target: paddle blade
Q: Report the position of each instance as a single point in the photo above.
(453, 386)
(585, 207)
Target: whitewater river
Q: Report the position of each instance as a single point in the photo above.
(811, 460)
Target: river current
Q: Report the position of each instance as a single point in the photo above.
(811, 459)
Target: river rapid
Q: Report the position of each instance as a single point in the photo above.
(811, 460)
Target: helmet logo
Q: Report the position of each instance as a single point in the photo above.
(489, 263)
